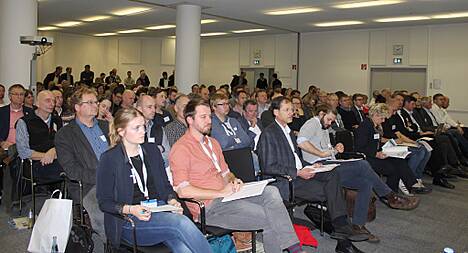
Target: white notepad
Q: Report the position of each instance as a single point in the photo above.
(165, 208)
(248, 190)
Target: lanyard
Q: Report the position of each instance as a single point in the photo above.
(228, 128)
(212, 156)
(136, 176)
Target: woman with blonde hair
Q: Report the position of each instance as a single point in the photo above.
(130, 176)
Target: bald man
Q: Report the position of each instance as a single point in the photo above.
(35, 135)
(154, 132)
(177, 128)
(128, 99)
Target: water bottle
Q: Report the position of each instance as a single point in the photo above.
(30, 219)
(54, 245)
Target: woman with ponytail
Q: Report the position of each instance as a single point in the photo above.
(131, 175)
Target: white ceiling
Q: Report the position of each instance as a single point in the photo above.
(238, 14)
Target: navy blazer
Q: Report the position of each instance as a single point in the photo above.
(275, 155)
(114, 187)
(365, 136)
(5, 120)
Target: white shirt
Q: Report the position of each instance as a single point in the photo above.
(442, 116)
(256, 130)
(286, 131)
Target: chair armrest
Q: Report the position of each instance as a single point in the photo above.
(284, 176)
(125, 217)
(349, 155)
(201, 206)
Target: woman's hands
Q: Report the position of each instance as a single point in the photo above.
(174, 202)
(141, 212)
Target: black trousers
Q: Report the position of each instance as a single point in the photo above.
(324, 186)
(394, 169)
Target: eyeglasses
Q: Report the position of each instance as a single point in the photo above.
(222, 104)
(17, 94)
(90, 102)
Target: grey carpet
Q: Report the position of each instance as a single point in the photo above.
(441, 220)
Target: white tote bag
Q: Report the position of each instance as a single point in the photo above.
(55, 219)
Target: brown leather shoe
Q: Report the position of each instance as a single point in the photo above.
(372, 238)
(402, 202)
(243, 241)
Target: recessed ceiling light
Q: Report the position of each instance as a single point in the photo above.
(293, 11)
(208, 21)
(402, 19)
(160, 27)
(104, 34)
(95, 18)
(69, 23)
(213, 34)
(367, 4)
(47, 28)
(451, 15)
(131, 11)
(339, 23)
(131, 31)
(249, 31)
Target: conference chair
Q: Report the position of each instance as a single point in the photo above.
(240, 163)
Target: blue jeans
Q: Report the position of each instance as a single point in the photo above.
(418, 159)
(175, 230)
(360, 176)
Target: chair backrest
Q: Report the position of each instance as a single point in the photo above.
(240, 163)
(345, 137)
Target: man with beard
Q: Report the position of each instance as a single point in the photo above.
(314, 141)
(200, 171)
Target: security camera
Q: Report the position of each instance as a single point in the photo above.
(37, 40)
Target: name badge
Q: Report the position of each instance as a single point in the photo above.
(376, 136)
(235, 128)
(166, 119)
(393, 127)
(150, 203)
(151, 139)
(103, 138)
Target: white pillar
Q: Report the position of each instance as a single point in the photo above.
(17, 18)
(187, 46)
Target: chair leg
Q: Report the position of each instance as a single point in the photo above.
(254, 241)
(321, 218)
(20, 189)
(33, 195)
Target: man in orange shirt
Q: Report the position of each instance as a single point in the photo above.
(200, 172)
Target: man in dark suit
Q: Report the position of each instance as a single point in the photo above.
(143, 79)
(276, 83)
(10, 113)
(86, 76)
(53, 77)
(171, 79)
(80, 144)
(163, 80)
(67, 76)
(262, 82)
(278, 153)
(358, 102)
(345, 110)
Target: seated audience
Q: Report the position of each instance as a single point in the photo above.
(163, 81)
(299, 116)
(2, 95)
(113, 77)
(143, 79)
(162, 116)
(200, 172)
(262, 101)
(29, 99)
(358, 107)
(314, 141)
(104, 112)
(67, 76)
(9, 115)
(116, 99)
(119, 194)
(128, 99)
(349, 119)
(178, 126)
(87, 76)
(129, 81)
(52, 78)
(35, 133)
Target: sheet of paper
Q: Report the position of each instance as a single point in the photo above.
(164, 208)
(323, 168)
(345, 160)
(407, 144)
(426, 138)
(250, 189)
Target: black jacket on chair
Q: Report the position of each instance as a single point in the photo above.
(423, 119)
(367, 139)
(274, 145)
(5, 120)
(114, 187)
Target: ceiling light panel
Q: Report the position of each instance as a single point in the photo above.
(339, 23)
(293, 11)
(104, 34)
(367, 4)
(95, 18)
(213, 34)
(131, 11)
(451, 15)
(249, 31)
(160, 27)
(69, 23)
(131, 31)
(208, 21)
(402, 19)
(47, 28)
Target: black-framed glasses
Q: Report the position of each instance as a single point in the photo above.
(90, 102)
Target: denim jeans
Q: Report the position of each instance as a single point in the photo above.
(175, 230)
(360, 176)
(418, 159)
